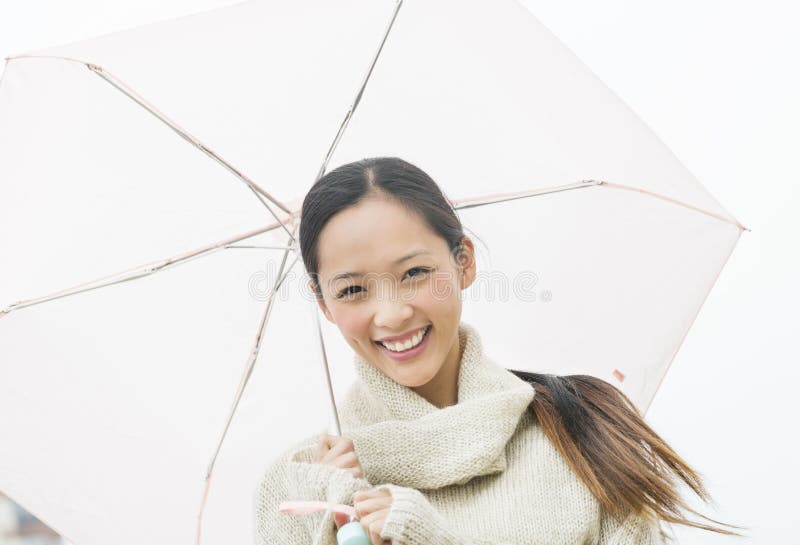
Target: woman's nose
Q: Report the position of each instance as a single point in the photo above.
(392, 313)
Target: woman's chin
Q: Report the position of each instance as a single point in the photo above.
(410, 379)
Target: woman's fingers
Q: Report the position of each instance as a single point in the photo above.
(338, 452)
(324, 444)
(341, 519)
(372, 508)
(327, 444)
(348, 459)
(367, 507)
(349, 462)
(375, 492)
(374, 531)
(373, 525)
(340, 446)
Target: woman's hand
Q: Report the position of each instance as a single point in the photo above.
(339, 452)
(372, 507)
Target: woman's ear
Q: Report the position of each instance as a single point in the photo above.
(466, 262)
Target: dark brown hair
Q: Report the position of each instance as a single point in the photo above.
(609, 446)
(594, 426)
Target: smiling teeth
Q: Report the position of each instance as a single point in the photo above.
(410, 343)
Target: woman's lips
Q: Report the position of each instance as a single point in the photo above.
(410, 353)
(403, 338)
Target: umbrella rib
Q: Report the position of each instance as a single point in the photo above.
(675, 201)
(137, 98)
(253, 356)
(249, 365)
(140, 271)
(254, 247)
(121, 86)
(462, 204)
(336, 424)
(351, 110)
(691, 323)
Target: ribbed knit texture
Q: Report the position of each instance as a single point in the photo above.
(479, 472)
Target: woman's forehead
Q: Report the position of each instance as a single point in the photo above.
(361, 256)
(374, 236)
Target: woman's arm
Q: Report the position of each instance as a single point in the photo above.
(271, 525)
(295, 476)
(412, 520)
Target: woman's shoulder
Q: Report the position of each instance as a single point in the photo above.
(531, 449)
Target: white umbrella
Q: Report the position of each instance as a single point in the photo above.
(119, 381)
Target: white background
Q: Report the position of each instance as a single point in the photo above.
(719, 82)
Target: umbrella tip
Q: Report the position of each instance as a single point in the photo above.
(8, 309)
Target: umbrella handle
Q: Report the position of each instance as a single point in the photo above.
(351, 533)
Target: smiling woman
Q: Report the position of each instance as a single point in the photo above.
(455, 448)
(392, 285)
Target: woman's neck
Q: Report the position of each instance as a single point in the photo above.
(442, 390)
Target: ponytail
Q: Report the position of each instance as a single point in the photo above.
(611, 449)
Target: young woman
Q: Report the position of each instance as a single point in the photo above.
(440, 445)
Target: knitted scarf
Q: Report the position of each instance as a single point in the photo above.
(401, 438)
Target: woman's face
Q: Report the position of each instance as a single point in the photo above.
(404, 279)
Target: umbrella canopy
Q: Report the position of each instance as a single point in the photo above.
(151, 183)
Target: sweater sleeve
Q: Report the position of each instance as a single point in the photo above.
(273, 526)
(295, 477)
(412, 520)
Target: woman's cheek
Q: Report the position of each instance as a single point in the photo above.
(349, 322)
(442, 287)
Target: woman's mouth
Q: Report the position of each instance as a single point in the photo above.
(407, 350)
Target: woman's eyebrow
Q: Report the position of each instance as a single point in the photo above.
(406, 257)
(415, 253)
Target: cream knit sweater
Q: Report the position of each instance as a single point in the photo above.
(480, 472)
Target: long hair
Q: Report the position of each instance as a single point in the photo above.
(598, 431)
(609, 446)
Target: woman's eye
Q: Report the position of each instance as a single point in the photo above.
(422, 270)
(347, 291)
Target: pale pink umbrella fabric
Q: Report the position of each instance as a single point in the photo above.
(151, 184)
